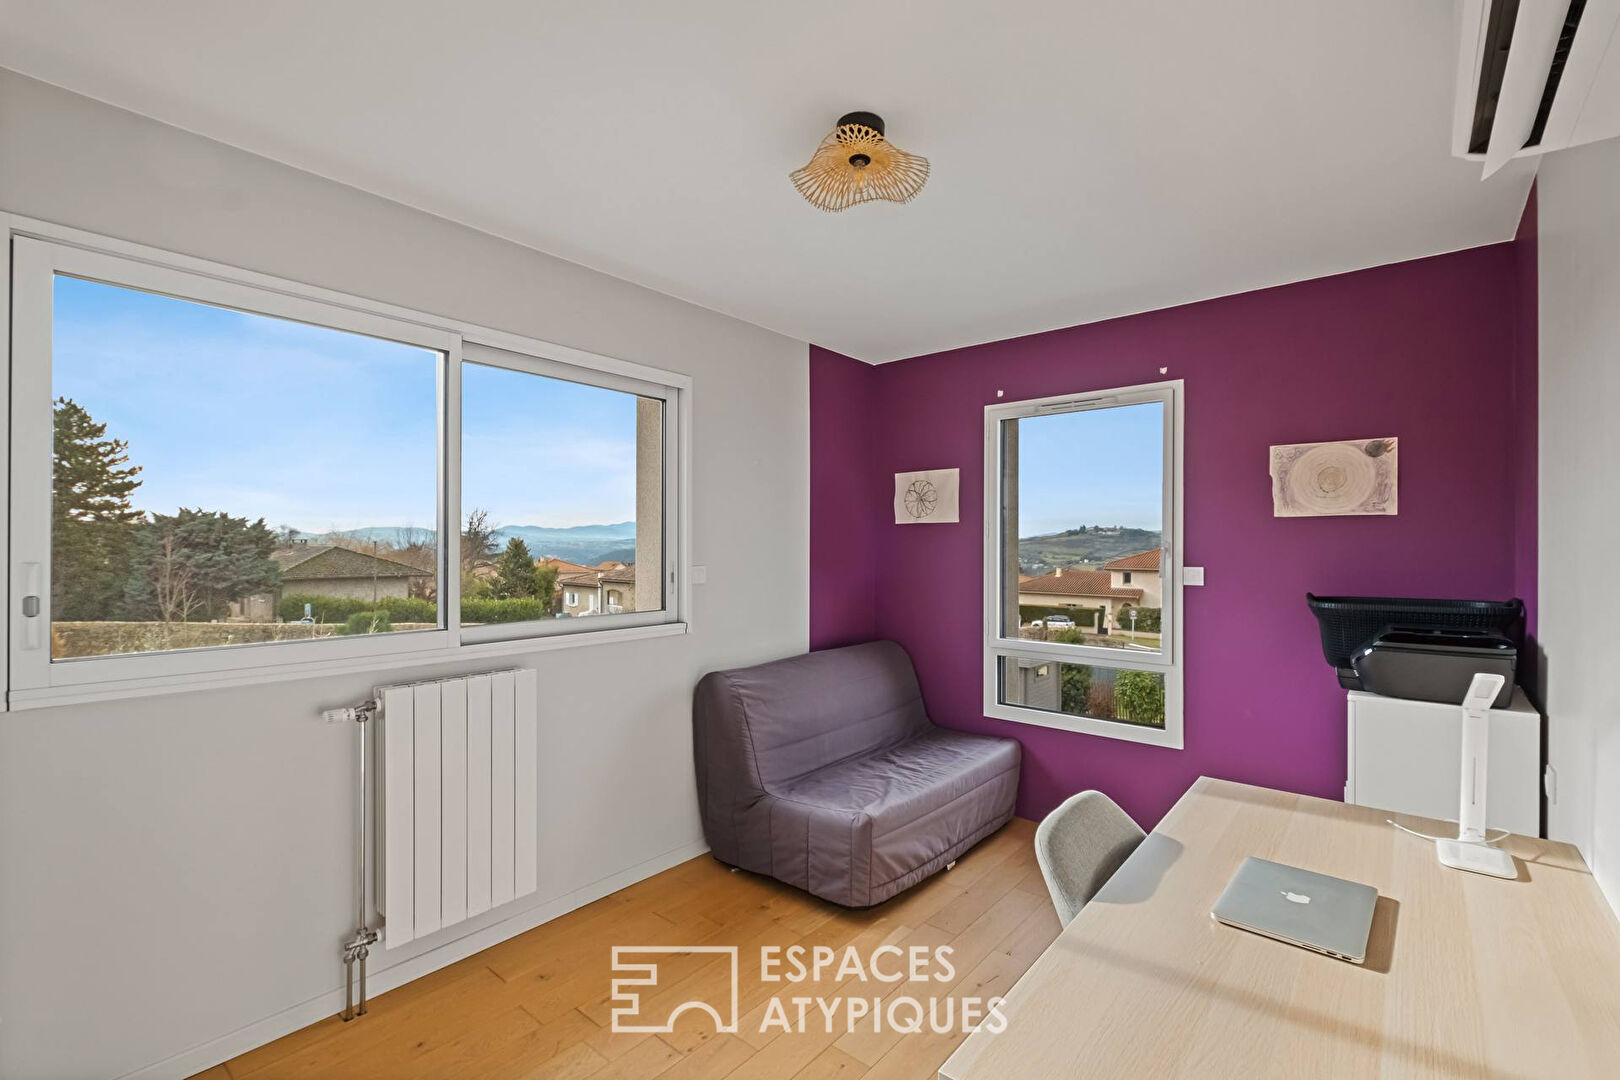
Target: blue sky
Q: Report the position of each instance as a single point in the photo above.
(1098, 467)
(538, 451)
(322, 429)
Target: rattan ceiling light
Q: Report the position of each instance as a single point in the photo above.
(856, 164)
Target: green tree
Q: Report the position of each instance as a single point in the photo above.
(514, 571)
(1076, 681)
(545, 587)
(518, 578)
(190, 565)
(92, 520)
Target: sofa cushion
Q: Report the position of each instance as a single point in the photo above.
(902, 783)
(812, 711)
(878, 817)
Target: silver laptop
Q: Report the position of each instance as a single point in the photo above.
(1326, 914)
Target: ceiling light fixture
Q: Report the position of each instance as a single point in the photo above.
(856, 164)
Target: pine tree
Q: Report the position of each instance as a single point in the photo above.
(515, 571)
(190, 565)
(92, 521)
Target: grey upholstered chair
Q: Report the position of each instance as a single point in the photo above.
(1080, 845)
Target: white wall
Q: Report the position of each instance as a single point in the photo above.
(1579, 512)
(177, 870)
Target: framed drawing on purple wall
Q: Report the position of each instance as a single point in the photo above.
(1357, 477)
(928, 496)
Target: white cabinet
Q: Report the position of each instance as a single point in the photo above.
(1404, 757)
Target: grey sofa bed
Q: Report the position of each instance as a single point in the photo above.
(823, 771)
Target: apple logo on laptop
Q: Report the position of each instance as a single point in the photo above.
(1295, 898)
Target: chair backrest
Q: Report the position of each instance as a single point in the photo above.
(774, 723)
(1080, 845)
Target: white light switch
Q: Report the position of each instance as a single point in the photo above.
(1192, 575)
(700, 575)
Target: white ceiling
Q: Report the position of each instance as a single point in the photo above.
(1091, 158)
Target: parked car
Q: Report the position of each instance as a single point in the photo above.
(1054, 622)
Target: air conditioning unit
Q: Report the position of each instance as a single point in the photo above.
(1534, 76)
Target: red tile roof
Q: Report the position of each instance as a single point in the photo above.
(1142, 560)
(589, 578)
(563, 565)
(1077, 583)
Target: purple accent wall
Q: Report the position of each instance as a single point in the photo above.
(1526, 399)
(1424, 350)
(844, 502)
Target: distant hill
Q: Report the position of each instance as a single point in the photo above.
(1087, 547)
(588, 544)
(624, 530)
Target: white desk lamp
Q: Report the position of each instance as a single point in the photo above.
(1470, 851)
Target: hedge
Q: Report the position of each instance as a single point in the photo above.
(1028, 613)
(336, 609)
(516, 609)
(340, 609)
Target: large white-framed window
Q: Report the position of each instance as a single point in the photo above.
(222, 477)
(1083, 582)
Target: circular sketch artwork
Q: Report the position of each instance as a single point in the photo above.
(1334, 478)
(927, 497)
(921, 498)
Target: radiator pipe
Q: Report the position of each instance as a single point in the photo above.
(358, 948)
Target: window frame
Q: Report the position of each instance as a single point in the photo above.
(37, 250)
(1169, 661)
(603, 621)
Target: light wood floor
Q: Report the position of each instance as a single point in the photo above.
(537, 1006)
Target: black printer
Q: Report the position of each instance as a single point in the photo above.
(1425, 650)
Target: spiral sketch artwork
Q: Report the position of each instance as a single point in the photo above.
(922, 498)
(928, 497)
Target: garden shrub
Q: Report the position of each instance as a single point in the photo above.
(516, 609)
(367, 622)
(1076, 687)
(1149, 620)
(1140, 697)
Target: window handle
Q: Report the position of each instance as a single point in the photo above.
(33, 636)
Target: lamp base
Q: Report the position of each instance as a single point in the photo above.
(1476, 858)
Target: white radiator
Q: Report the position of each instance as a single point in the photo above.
(458, 800)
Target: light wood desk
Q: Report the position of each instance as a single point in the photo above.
(1466, 976)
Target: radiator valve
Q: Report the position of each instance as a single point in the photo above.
(348, 713)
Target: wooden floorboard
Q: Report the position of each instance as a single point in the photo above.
(539, 1005)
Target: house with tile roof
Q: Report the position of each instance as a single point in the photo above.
(562, 566)
(1130, 581)
(1138, 571)
(330, 570)
(596, 592)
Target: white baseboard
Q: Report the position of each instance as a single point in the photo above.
(273, 1027)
